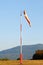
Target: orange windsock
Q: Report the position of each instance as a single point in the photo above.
(26, 17)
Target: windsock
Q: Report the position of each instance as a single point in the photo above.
(26, 17)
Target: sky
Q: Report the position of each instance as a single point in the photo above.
(10, 23)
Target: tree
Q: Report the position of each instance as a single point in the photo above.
(38, 55)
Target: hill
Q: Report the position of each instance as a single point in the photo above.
(28, 51)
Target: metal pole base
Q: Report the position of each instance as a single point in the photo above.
(21, 59)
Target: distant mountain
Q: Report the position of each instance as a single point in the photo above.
(28, 51)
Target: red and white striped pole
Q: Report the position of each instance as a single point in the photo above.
(20, 39)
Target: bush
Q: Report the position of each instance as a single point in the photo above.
(18, 58)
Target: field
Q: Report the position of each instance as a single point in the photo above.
(25, 62)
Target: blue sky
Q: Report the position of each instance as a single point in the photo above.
(10, 22)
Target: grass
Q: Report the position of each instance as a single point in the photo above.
(25, 62)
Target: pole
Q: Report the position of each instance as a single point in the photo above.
(20, 39)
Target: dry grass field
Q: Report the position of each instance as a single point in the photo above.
(25, 62)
